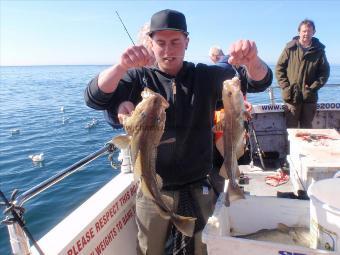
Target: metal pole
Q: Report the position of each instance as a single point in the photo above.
(18, 239)
(271, 95)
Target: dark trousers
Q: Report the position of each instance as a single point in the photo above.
(153, 230)
(299, 115)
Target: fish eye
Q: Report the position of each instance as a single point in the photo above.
(142, 114)
(229, 93)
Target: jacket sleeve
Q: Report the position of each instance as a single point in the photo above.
(247, 85)
(323, 76)
(94, 97)
(281, 69)
(250, 86)
(128, 89)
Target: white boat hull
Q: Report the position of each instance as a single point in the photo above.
(104, 224)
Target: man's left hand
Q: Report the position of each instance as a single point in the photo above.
(124, 110)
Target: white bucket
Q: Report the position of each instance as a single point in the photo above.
(325, 214)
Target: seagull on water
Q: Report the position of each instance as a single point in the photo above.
(15, 131)
(37, 157)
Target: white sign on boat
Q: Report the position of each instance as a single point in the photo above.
(101, 225)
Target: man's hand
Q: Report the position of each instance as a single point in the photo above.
(242, 52)
(124, 110)
(136, 56)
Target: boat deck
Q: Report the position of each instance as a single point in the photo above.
(257, 185)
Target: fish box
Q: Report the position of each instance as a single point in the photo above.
(307, 171)
(250, 215)
(313, 156)
(322, 145)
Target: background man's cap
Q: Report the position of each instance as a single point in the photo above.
(168, 20)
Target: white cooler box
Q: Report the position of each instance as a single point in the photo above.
(253, 214)
(308, 170)
(314, 160)
(324, 150)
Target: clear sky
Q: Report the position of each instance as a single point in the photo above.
(89, 32)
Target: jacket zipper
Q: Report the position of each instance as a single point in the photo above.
(174, 90)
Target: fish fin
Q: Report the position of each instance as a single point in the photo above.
(168, 201)
(121, 141)
(170, 140)
(283, 228)
(165, 215)
(159, 181)
(185, 225)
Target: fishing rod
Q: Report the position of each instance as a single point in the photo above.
(144, 74)
(121, 21)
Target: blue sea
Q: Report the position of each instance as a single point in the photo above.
(46, 105)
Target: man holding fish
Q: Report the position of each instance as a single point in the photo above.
(170, 130)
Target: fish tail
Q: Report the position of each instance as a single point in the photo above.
(185, 225)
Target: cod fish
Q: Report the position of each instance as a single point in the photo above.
(282, 234)
(144, 130)
(231, 145)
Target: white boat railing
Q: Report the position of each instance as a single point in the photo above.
(271, 89)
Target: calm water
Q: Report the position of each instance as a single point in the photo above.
(31, 99)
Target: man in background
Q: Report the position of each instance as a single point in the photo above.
(301, 71)
(218, 58)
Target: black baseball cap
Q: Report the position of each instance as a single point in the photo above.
(168, 20)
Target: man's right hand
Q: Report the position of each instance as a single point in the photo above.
(136, 56)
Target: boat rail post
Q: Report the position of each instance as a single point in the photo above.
(18, 239)
(19, 235)
(271, 95)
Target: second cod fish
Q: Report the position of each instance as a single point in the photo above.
(232, 144)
